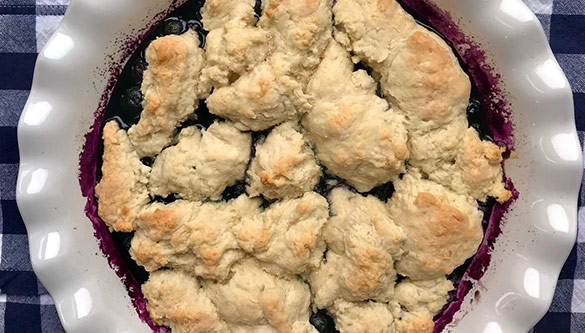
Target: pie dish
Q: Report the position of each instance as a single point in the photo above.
(562, 150)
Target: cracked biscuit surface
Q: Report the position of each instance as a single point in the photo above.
(202, 164)
(178, 301)
(256, 301)
(191, 236)
(442, 228)
(273, 92)
(363, 244)
(284, 165)
(286, 237)
(311, 185)
(122, 191)
(477, 170)
(356, 134)
(171, 90)
(421, 77)
(234, 44)
(417, 302)
(418, 71)
(359, 317)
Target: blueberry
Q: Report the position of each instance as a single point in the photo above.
(323, 322)
(474, 108)
(127, 242)
(383, 192)
(132, 100)
(258, 9)
(196, 26)
(148, 161)
(204, 117)
(137, 69)
(234, 191)
(477, 118)
(173, 26)
(166, 200)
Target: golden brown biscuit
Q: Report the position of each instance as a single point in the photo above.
(122, 191)
(363, 245)
(286, 237)
(233, 45)
(371, 28)
(442, 228)
(191, 236)
(477, 170)
(216, 13)
(257, 100)
(177, 300)
(420, 75)
(301, 31)
(171, 90)
(273, 92)
(284, 165)
(414, 322)
(202, 164)
(355, 134)
(423, 296)
(415, 304)
(360, 317)
(255, 301)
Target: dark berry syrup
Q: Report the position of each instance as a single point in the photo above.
(122, 101)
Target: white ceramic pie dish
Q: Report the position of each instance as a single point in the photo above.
(74, 68)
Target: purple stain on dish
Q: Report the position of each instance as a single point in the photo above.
(499, 126)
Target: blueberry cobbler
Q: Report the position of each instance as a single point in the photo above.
(296, 166)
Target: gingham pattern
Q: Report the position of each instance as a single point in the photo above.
(25, 26)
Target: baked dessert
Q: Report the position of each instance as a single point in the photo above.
(294, 161)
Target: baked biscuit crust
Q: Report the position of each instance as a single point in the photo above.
(363, 243)
(422, 79)
(177, 300)
(284, 165)
(255, 301)
(241, 265)
(360, 317)
(234, 45)
(356, 135)
(191, 236)
(202, 164)
(171, 90)
(286, 237)
(273, 91)
(122, 191)
(442, 228)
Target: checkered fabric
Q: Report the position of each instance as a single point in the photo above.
(25, 26)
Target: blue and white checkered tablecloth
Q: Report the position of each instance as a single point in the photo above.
(25, 26)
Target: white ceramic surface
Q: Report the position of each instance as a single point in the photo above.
(69, 80)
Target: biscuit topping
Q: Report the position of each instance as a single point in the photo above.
(272, 158)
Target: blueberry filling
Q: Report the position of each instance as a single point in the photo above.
(126, 104)
(383, 192)
(323, 322)
(258, 9)
(122, 241)
(173, 26)
(234, 191)
(131, 100)
(137, 70)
